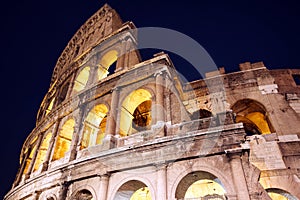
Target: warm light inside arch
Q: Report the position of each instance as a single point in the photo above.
(81, 80)
(50, 106)
(133, 190)
(63, 140)
(139, 99)
(29, 159)
(204, 187)
(106, 61)
(258, 119)
(94, 126)
(141, 194)
(253, 115)
(42, 151)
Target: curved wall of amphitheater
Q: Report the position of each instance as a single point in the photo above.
(113, 127)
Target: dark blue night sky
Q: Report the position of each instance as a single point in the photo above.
(34, 33)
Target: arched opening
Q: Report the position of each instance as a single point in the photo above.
(200, 185)
(94, 126)
(83, 195)
(50, 106)
(62, 93)
(30, 152)
(200, 114)
(81, 80)
(136, 112)
(278, 194)
(133, 190)
(107, 64)
(40, 158)
(63, 140)
(253, 115)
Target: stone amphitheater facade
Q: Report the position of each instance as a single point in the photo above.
(114, 127)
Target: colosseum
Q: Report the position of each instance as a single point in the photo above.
(114, 127)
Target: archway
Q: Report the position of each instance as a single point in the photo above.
(200, 114)
(94, 126)
(253, 115)
(200, 185)
(40, 158)
(133, 190)
(29, 152)
(63, 140)
(83, 195)
(279, 194)
(106, 65)
(50, 106)
(81, 80)
(136, 112)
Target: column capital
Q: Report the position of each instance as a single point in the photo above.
(116, 88)
(161, 165)
(234, 153)
(104, 176)
(159, 73)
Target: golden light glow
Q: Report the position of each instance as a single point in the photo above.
(276, 196)
(94, 126)
(141, 194)
(204, 187)
(64, 138)
(106, 61)
(258, 119)
(81, 80)
(50, 106)
(29, 159)
(42, 151)
(129, 105)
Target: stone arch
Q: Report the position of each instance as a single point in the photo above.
(29, 155)
(47, 196)
(84, 189)
(276, 193)
(94, 102)
(253, 115)
(50, 106)
(107, 61)
(129, 187)
(227, 183)
(94, 126)
(62, 93)
(41, 155)
(81, 79)
(201, 113)
(136, 112)
(64, 138)
(83, 194)
(200, 184)
(284, 183)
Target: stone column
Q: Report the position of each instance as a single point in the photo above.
(238, 174)
(51, 145)
(153, 110)
(93, 78)
(104, 179)
(63, 192)
(71, 85)
(121, 61)
(31, 165)
(113, 113)
(161, 187)
(77, 135)
(159, 80)
(36, 195)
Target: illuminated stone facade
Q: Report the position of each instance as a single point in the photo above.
(113, 127)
